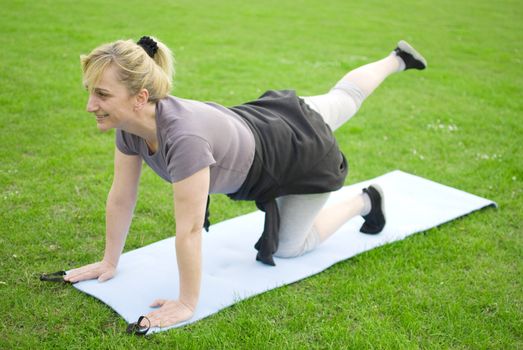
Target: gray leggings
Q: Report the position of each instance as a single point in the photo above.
(298, 234)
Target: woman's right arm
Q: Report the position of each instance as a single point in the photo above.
(119, 211)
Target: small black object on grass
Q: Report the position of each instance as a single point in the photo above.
(57, 276)
(136, 329)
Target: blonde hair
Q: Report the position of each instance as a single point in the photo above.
(136, 69)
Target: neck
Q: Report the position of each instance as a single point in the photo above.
(144, 124)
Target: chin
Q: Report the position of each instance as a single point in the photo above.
(103, 128)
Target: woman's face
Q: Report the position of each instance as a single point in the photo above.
(110, 101)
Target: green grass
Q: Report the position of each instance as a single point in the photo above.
(456, 286)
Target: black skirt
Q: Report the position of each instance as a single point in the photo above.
(296, 152)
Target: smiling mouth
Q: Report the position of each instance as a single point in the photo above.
(101, 116)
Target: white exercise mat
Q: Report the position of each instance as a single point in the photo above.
(230, 271)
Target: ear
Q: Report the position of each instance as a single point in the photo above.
(141, 99)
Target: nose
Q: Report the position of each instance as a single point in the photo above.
(92, 104)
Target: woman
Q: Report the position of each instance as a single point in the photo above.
(278, 150)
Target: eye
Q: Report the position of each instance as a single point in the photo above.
(101, 94)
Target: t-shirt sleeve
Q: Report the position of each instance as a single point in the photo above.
(124, 143)
(187, 155)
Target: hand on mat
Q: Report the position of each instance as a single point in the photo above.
(171, 312)
(101, 270)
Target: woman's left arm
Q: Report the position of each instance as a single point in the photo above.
(190, 200)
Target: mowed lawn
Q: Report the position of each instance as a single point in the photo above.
(459, 123)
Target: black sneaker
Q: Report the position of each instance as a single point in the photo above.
(375, 219)
(410, 56)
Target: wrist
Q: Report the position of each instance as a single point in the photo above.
(111, 262)
(191, 305)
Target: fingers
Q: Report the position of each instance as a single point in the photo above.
(158, 302)
(171, 313)
(106, 276)
(87, 272)
(77, 272)
(80, 276)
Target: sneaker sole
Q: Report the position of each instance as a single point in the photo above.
(405, 46)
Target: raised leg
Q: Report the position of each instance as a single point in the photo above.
(343, 101)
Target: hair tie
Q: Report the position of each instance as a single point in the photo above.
(149, 45)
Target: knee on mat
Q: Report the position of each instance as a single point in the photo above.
(288, 252)
(294, 250)
(291, 248)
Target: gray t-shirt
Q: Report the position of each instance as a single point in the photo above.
(191, 136)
